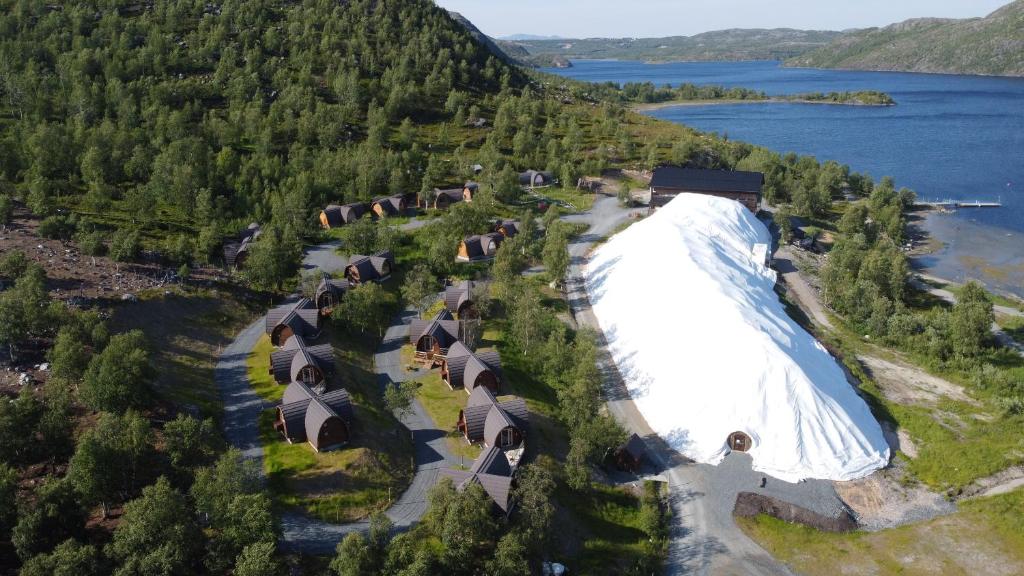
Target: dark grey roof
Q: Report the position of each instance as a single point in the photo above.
(443, 327)
(370, 268)
(391, 205)
(302, 316)
(333, 215)
(471, 186)
(483, 245)
(304, 412)
(241, 245)
(335, 286)
(465, 366)
(508, 227)
(499, 488)
(455, 364)
(457, 295)
(497, 420)
(453, 194)
(475, 418)
(492, 461)
(698, 180)
(287, 363)
(354, 211)
(485, 417)
(635, 447)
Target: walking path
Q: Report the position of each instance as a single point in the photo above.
(704, 536)
(242, 408)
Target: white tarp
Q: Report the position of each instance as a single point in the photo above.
(706, 348)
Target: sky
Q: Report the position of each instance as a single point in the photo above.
(656, 18)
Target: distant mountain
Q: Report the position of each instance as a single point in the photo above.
(518, 37)
(505, 50)
(734, 44)
(990, 45)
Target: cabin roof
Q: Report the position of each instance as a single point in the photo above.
(700, 180)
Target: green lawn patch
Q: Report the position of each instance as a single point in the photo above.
(605, 520)
(441, 402)
(986, 536)
(258, 369)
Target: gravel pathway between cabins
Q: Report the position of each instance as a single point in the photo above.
(242, 407)
(704, 536)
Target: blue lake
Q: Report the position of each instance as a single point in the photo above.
(948, 137)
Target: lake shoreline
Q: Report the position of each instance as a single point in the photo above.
(727, 101)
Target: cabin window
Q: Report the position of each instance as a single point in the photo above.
(309, 376)
(427, 343)
(507, 438)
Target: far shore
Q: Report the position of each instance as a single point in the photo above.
(724, 101)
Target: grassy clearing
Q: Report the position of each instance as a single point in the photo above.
(986, 536)
(186, 328)
(441, 403)
(606, 521)
(1012, 325)
(258, 369)
(582, 200)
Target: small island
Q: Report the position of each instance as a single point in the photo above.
(646, 97)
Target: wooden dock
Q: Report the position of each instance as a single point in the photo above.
(953, 204)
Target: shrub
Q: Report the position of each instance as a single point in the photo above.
(57, 227)
(124, 246)
(91, 243)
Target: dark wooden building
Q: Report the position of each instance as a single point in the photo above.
(507, 228)
(432, 338)
(458, 299)
(630, 455)
(495, 424)
(442, 199)
(322, 420)
(463, 368)
(535, 178)
(389, 206)
(329, 293)
(479, 247)
(237, 250)
(670, 181)
(297, 361)
(493, 472)
(334, 215)
(375, 268)
(301, 317)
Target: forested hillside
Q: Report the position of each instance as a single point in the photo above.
(990, 45)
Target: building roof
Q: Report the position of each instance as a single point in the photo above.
(453, 194)
(485, 417)
(483, 245)
(242, 244)
(443, 327)
(699, 180)
(375, 267)
(492, 461)
(499, 488)
(635, 447)
(391, 205)
(335, 286)
(287, 363)
(301, 316)
(509, 227)
(304, 412)
(529, 178)
(465, 366)
(457, 295)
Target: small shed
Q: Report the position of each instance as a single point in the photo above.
(322, 420)
(463, 368)
(301, 317)
(458, 299)
(470, 190)
(536, 178)
(432, 338)
(375, 268)
(329, 293)
(298, 362)
(495, 424)
(389, 206)
(630, 455)
(479, 247)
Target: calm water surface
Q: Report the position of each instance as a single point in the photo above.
(956, 137)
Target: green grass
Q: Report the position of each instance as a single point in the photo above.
(258, 369)
(1012, 325)
(441, 403)
(986, 536)
(582, 200)
(606, 520)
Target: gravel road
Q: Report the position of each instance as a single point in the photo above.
(242, 407)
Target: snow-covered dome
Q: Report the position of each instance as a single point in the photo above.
(710, 356)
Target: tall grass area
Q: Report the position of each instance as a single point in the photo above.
(258, 370)
(986, 536)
